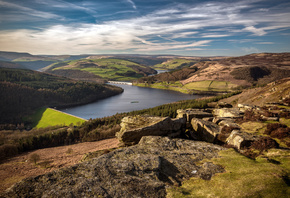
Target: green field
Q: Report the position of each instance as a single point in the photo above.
(174, 64)
(110, 69)
(191, 87)
(209, 85)
(45, 117)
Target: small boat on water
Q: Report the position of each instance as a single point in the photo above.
(135, 102)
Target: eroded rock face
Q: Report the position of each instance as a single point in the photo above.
(133, 128)
(142, 170)
(205, 130)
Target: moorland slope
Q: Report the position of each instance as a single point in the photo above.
(224, 75)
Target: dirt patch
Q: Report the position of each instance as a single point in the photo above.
(19, 167)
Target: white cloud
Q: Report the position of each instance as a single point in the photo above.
(173, 28)
(256, 31)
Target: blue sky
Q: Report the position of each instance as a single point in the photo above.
(181, 27)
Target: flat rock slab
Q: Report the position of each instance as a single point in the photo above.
(142, 170)
(133, 128)
(227, 113)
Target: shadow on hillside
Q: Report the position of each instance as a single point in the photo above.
(35, 118)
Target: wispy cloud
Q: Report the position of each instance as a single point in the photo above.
(182, 26)
(265, 43)
(132, 3)
(64, 5)
(29, 11)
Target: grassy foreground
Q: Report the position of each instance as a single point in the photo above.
(46, 117)
(267, 176)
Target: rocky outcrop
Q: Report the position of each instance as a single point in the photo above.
(227, 113)
(143, 170)
(205, 130)
(133, 128)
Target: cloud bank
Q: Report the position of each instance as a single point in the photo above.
(170, 29)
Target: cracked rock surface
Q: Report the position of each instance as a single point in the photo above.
(142, 170)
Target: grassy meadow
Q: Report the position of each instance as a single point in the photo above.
(243, 177)
(174, 64)
(46, 117)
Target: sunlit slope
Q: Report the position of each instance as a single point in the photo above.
(175, 64)
(46, 117)
(105, 68)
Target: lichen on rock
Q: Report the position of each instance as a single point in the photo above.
(142, 170)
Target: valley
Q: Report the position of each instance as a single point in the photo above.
(29, 127)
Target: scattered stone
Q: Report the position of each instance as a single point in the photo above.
(229, 123)
(246, 107)
(192, 113)
(265, 118)
(143, 170)
(133, 128)
(205, 130)
(227, 113)
(217, 120)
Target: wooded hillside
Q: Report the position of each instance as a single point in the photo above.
(23, 91)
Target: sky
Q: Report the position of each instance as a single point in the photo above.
(179, 27)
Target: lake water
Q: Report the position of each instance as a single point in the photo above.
(133, 98)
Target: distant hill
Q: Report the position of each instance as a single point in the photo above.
(26, 60)
(225, 74)
(102, 68)
(23, 91)
(9, 56)
(8, 64)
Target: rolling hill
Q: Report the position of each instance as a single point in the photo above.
(102, 68)
(224, 75)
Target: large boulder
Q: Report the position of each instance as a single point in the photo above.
(192, 113)
(227, 113)
(133, 128)
(143, 170)
(205, 130)
(240, 139)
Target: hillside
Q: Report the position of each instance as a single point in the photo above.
(103, 68)
(173, 64)
(271, 93)
(8, 64)
(253, 69)
(24, 60)
(23, 91)
(225, 74)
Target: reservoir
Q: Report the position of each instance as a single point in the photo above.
(133, 98)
